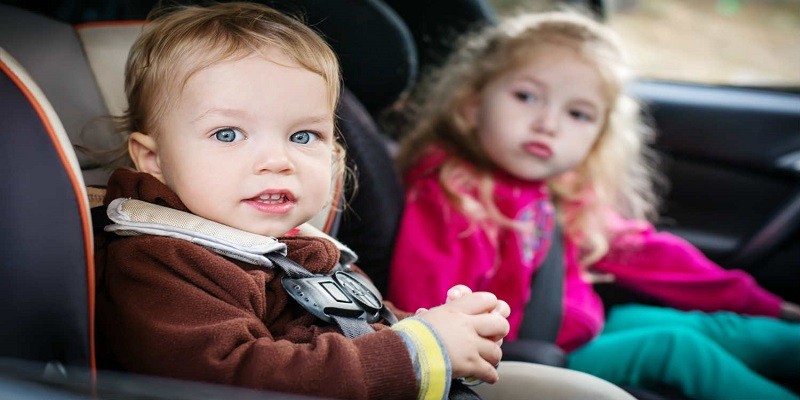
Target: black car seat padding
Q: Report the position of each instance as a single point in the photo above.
(47, 274)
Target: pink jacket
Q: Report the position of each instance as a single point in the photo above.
(438, 247)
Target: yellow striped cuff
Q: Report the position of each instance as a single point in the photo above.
(429, 356)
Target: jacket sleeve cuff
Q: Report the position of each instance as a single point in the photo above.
(431, 361)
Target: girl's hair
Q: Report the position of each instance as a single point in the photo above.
(617, 174)
(178, 42)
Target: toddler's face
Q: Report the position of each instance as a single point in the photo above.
(249, 143)
(541, 119)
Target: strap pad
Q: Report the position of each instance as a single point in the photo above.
(134, 217)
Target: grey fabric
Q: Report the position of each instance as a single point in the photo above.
(51, 53)
(527, 381)
(135, 217)
(542, 318)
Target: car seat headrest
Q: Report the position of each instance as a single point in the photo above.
(378, 67)
(106, 45)
(51, 53)
(375, 47)
(436, 24)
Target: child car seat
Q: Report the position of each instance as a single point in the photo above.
(62, 59)
(46, 258)
(47, 262)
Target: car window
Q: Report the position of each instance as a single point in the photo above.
(730, 42)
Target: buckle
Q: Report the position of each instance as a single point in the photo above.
(360, 290)
(343, 294)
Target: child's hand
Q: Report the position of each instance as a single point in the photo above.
(470, 329)
(502, 308)
(458, 291)
(790, 312)
(453, 293)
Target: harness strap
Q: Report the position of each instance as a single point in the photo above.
(342, 297)
(352, 327)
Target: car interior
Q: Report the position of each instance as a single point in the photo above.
(731, 154)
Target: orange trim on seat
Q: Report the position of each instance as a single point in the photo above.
(82, 205)
(336, 199)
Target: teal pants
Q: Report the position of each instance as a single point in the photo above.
(718, 355)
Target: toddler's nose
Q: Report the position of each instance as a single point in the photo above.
(273, 158)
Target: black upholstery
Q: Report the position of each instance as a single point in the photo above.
(377, 67)
(45, 261)
(436, 24)
(372, 216)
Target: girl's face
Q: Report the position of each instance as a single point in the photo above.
(249, 143)
(541, 119)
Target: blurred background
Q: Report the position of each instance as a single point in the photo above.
(732, 42)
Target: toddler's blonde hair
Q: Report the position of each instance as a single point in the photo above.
(178, 42)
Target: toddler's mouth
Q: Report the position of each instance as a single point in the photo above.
(273, 201)
(274, 198)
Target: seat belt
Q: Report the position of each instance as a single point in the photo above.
(543, 313)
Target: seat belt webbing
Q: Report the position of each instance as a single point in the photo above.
(542, 317)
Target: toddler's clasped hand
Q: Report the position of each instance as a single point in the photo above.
(472, 327)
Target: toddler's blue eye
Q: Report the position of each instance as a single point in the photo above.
(228, 135)
(303, 137)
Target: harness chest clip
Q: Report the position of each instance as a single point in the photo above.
(342, 294)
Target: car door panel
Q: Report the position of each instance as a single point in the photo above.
(732, 157)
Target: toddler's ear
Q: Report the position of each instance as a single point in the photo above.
(144, 153)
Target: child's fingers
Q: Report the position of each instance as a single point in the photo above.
(420, 310)
(490, 325)
(486, 372)
(490, 351)
(474, 303)
(457, 292)
(502, 308)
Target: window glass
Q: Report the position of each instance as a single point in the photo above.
(732, 42)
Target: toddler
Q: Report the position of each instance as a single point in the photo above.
(231, 132)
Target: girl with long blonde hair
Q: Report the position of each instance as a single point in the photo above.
(529, 126)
